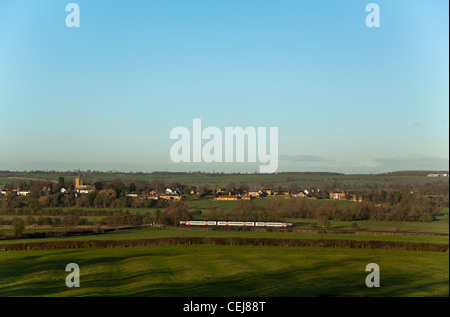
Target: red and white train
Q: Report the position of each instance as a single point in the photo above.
(236, 223)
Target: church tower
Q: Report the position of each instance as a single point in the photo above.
(78, 181)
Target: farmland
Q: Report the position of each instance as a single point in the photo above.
(163, 233)
(125, 264)
(231, 270)
(223, 271)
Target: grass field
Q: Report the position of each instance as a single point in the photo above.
(440, 225)
(223, 271)
(160, 233)
(208, 270)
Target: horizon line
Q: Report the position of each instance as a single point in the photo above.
(226, 173)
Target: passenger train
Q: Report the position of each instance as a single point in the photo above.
(237, 223)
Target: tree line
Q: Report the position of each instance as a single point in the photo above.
(419, 208)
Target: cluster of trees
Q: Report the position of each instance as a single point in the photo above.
(171, 215)
(67, 220)
(61, 212)
(392, 195)
(421, 208)
(247, 210)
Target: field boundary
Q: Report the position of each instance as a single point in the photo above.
(321, 243)
(297, 230)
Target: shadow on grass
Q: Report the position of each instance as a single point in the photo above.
(127, 275)
(47, 272)
(302, 224)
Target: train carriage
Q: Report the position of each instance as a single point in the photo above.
(198, 223)
(274, 224)
(236, 223)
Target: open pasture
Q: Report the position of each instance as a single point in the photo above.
(205, 270)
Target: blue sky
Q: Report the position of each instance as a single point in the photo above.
(105, 96)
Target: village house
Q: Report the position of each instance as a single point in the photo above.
(227, 197)
(257, 193)
(85, 191)
(152, 196)
(170, 197)
(172, 191)
(22, 192)
(299, 195)
(337, 195)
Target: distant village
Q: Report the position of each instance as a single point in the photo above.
(223, 194)
(437, 175)
(177, 194)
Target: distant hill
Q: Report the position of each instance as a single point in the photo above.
(284, 179)
(164, 173)
(412, 173)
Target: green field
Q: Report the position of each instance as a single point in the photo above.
(162, 233)
(438, 226)
(223, 271)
